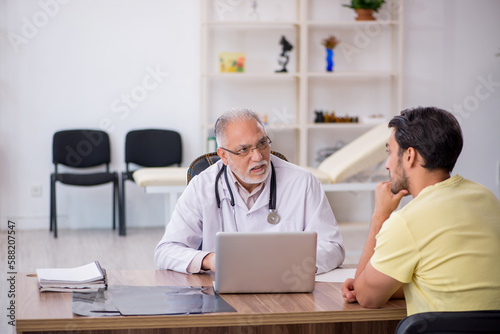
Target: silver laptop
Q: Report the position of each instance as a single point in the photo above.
(270, 262)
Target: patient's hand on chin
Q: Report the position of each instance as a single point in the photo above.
(401, 192)
(386, 201)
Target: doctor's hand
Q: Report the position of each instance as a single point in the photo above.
(208, 262)
(348, 291)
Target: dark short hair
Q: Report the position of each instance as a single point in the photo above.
(433, 132)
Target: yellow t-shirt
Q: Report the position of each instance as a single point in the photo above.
(445, 247)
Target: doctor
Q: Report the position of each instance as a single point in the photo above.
(247, 190)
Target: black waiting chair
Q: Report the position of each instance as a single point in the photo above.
(470, 322)
(148, 148)
(206, 160)
(79, 150)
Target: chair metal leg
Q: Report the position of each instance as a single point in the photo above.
(115, 186)
(51, 202)
(121, 200)
(53, 207)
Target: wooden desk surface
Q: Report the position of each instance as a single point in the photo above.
(52, 311)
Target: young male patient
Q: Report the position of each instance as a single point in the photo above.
(443, 247)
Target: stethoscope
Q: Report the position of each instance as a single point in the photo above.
(272, 217)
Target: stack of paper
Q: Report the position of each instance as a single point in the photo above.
(88, 278)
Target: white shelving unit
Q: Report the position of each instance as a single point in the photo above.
(366, 79)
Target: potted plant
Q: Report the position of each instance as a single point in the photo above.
(365, 8)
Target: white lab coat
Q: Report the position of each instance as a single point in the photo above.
(300, 202)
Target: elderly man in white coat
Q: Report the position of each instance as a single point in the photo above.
(244, 181)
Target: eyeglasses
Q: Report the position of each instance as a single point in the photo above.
(244, 151)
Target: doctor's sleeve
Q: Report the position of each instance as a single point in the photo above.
(183, 234)
(320, 218)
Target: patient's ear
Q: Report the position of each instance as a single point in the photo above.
(412, 157)
(222, 154)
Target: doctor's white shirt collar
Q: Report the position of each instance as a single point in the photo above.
(249, 198)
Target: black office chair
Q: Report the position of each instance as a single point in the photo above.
(206, 160)
(148, 148)
(451, 322)
(80, 149)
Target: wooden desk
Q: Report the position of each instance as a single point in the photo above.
(322, 311)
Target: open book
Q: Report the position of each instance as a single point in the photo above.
(87, 278)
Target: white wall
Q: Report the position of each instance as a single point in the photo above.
(450, 49)
(72, 64)
(76, 68)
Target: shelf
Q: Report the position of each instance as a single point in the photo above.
(270, 126)
(251, 24)
(351, 74)
(246, 75)
(317, 126)
(366, 80)
(332, 75)
(282, 127)
(348, 24)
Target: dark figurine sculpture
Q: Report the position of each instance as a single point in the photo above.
(283, 59)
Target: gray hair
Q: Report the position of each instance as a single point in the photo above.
(232, 116)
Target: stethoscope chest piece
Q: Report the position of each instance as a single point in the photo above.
(273, 218)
